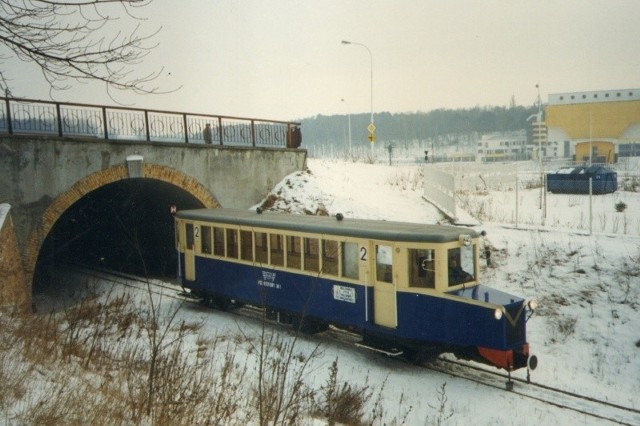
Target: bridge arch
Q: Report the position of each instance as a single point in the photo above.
(93, 182)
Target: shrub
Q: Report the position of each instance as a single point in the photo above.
(344, 403)
(621, 206)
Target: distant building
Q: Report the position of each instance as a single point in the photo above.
(594, 127)
(511, 146)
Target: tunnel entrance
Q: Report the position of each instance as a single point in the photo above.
(125, 226)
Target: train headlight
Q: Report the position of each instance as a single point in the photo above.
(532, 305)
(465, 239)
(497, 314)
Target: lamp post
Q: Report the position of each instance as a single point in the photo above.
(590, 140)
(371, 128)
(349, 121)
(539, 119)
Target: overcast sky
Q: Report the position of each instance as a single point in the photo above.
(284, 60)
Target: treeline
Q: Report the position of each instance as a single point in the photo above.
(440, 124)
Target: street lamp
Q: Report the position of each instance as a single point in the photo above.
(349, 121)
(371, 126)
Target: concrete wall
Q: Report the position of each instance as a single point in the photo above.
(42, 176)
(34, 171)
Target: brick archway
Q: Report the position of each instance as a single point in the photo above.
(92, 182)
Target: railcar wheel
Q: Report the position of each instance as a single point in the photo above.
(308, 325)
(208, 301)
(223, 303)
(272, 314)
(419, 356)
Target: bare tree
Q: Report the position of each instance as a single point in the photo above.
(78, 40)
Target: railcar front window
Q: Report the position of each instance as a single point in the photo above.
(422, 268)
(350, 260)
(461, 264)
(384, 264)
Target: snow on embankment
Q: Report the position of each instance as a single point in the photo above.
(367, 191)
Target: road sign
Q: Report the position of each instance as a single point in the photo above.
(371, 128)
(372, 137)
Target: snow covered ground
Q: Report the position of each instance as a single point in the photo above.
(586, 332)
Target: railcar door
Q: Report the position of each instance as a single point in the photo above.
(384, 289)
(189, 252)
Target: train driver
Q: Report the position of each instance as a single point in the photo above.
(457, 275)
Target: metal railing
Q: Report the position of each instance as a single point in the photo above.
(28, 116)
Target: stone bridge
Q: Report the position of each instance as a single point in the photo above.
(108, 200)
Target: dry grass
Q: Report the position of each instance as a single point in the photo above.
(95, 363)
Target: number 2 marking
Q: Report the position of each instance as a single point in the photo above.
(363, 254)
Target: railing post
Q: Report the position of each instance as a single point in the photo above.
(220, 131)
(59, 114)
(104, 123)
(9, 123)
(186, 129)
(253, 133)
(146, 125)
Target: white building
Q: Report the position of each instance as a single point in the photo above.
(510, 146)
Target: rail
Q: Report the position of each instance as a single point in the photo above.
(20, 116)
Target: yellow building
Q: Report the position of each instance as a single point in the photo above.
(594, 127)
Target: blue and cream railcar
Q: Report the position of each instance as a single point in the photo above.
(405, 286)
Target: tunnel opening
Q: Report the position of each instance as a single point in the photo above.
(126, 226)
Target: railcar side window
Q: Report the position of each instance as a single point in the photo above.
(350, 260)
(330, 257)
(205, 240)
(461, 263)
(262, 250)
(421, 268)
(218, 241)
(293, 252)
(232, 243)
(311, 260)
(189, 232)
(277, 252)
(384, 263)
(246, 245)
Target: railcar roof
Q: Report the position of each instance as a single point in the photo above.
(329, 225)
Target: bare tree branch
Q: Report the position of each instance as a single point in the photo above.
(78, 40)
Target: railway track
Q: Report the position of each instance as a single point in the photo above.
(583, 404)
